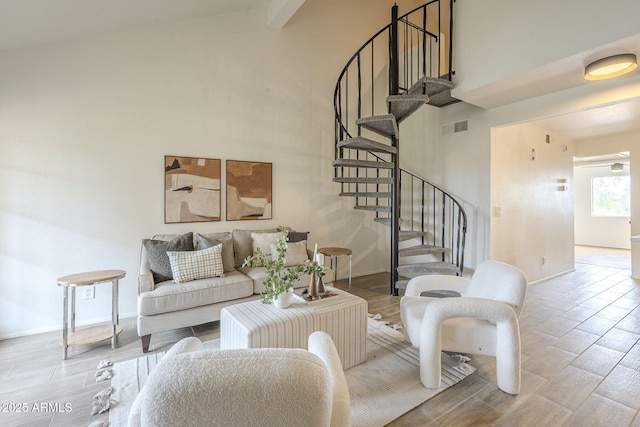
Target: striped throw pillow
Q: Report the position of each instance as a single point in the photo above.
(194, 265)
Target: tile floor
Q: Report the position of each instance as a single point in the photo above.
(580, 366)
(580, 357)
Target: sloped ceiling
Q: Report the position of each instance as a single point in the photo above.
(25, 23)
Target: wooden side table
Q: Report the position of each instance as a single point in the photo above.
(334, 254)
(96, 333)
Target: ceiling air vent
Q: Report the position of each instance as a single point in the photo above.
(456, 127)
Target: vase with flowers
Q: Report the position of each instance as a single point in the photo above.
(280, 279)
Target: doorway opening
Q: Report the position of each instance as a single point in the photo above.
(602, 210)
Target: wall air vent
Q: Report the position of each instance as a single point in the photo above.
(456, 127)
(460, 126)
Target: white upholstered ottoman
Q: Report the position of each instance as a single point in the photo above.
(257, 325)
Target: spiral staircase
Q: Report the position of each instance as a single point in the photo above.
(404, 66)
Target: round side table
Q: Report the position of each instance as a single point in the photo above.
(334, 254)
(96, 333)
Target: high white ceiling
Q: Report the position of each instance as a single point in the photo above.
(25, 23)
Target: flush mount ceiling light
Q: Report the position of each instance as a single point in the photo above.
(617, 167)
(610, 67)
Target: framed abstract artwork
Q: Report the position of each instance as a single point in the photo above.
(249, 190)
(192, 189)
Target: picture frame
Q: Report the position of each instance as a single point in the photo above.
(249, 190)
(192, 189)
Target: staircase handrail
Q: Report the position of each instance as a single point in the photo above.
(457, 243)
(414, 56)
(342, 130)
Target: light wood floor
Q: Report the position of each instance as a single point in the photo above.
(606, 257)
(580, 367)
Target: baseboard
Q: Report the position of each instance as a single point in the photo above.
(553, 276)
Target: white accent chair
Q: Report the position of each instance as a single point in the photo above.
(248, 387)
(483, 320)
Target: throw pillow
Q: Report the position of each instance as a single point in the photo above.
(228, 259)
(242, 243)
(194, 265)
(296, 253)
(297, 236)
(157, 253)
(264, 241)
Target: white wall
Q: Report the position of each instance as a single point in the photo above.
(494, 41)
(84, 126)
(610, 232)
(532, 200)
(461, 162)
(456, 162)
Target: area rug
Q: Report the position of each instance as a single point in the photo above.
(382, 389)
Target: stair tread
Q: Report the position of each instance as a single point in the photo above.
(374, 208)
(432, 86)
(402, 106)
(362, 163)
(429, 267)
(411, 234)
(402, 284)
(442, 99)
(376, 194)
(386, 221)
(361, 143)
(363, 179)
(439, 91)
(418, 97)
(423, 250)
(384, 125)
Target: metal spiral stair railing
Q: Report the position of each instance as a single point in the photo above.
(415, 49)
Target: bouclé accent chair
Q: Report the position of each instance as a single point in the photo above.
(483, 320)
(249, 387)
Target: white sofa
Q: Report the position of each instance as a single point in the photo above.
(165, 305)
(249, 387)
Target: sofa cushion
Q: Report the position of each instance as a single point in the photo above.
(296, 253)
(193, 265)
(263, 241)
(242, 243)
(169, 296)
(157, 254)
(208, 240)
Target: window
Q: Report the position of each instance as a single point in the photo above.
(610, 196)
